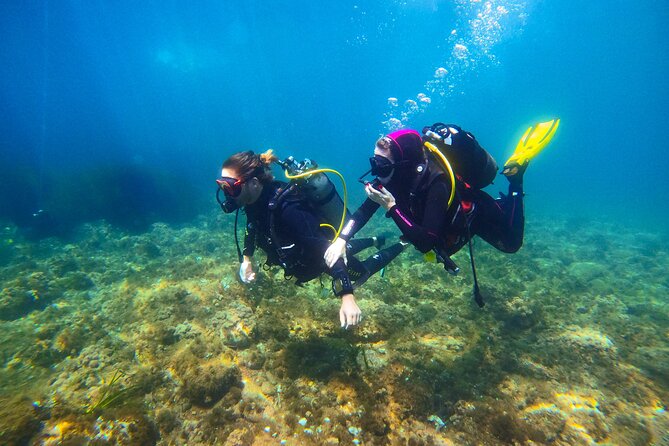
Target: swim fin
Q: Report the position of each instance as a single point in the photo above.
(430, 257)
(534, 140)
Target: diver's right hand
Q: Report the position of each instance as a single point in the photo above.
(246, 273)
(349, 313)
(336, 250)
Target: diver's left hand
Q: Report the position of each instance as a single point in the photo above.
(382, 196)
(335, 251)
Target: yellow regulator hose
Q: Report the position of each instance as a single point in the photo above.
(343, 182)
(436, 152)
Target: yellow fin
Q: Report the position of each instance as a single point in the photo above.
(534, 140)
(430, 257)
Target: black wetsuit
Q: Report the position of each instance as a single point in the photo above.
(428, 223)
(291, 237)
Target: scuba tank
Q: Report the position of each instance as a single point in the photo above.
(471, 162)
(316, 188)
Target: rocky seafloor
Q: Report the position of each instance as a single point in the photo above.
(111, 338)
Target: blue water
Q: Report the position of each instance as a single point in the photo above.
(125, 110)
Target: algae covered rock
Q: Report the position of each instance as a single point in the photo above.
(76, 281)
(521, 312)
(547, 422)
(587, 339)
(205, 384)
(585, 272)
(319, 358)
(655, 360)
(27, 293)
(19, 421)
(578, 344)
(6, 250)
(240, 437)
(127, 430)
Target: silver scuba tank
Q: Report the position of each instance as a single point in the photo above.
(323, 196)
(318, 190)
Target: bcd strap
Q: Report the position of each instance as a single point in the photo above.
(341, 286)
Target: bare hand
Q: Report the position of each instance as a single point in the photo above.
(382, 196)
(246, 273)
(336, 250)
(349, 314)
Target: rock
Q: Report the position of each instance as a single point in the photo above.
(521, 312)
(546, 421)
(240, 437)
(654, 360)
(76, 281)
(18, 421)
(252, 359)
(166, 419)
(587, 339)
(204, 385)
(586, 272)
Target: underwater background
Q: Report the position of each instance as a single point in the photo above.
(121, 319)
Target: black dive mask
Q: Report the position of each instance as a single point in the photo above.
(229, 205)
(382, 168)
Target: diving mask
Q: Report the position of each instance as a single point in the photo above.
(382, 168)
(232, 187)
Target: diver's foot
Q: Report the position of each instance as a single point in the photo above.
(514, 172)
(379, 241)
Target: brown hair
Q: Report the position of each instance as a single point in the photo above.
(385, 143)
(248, 164)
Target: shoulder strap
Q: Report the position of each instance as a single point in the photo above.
(274, 206)
(426, 176)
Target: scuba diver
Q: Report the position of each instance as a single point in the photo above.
(293, 223)
(431, 185)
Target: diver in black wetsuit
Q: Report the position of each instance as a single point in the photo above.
(415, 194)
(288, 230)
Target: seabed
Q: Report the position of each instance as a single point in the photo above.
(112, 338)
